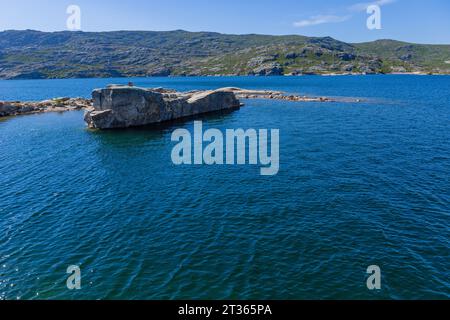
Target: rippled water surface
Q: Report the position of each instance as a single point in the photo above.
(359, 184)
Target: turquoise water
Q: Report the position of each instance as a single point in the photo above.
(359, 184)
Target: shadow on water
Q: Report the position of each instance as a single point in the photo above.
(154, 132)
(37, 115)
(139, 146)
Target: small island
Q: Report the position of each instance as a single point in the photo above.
(123, 106)
(127, 106)
(120, 106)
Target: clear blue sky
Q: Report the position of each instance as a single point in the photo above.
(422, 21)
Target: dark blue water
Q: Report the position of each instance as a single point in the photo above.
(359, 185)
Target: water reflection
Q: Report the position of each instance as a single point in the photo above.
(157, 132)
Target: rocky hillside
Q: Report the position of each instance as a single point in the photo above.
(40, 55)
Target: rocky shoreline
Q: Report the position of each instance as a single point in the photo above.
(274, 95)
(171, 100)
(15, 108)
(119, 106)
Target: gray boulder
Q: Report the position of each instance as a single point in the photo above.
(268, 69)
(160, 72)
(124, 107)
(291, 55)
(406, 57)
(7, 109)
(259, 60)
(346, 56)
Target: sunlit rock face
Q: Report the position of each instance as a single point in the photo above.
(127, 106)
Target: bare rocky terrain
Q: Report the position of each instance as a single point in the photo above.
(15, 108)
(41, 55)
(124, 106)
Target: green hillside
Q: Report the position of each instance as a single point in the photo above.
(40, 55)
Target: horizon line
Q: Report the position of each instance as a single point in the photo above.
(227, 34)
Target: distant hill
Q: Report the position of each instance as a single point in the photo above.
(40, 55)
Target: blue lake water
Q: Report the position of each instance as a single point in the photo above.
(360, 184)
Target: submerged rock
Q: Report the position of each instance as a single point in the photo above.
(124, 107)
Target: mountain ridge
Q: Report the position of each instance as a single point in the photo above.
(31, 54)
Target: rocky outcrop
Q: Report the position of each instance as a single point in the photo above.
(14, 108)
(273, 95)
(159, 72)
(126, 106)
(346, 56)
(268, 69)
(259, 60)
